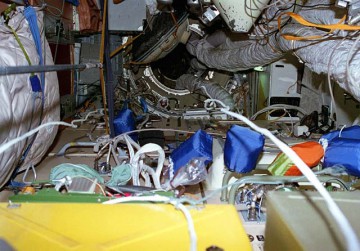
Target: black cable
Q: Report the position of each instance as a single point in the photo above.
(339, 181)
(315, 6)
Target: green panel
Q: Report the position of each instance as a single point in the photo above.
(51, 195)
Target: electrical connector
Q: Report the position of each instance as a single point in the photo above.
(300, 130)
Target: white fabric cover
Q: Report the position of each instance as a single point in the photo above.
(20, 107)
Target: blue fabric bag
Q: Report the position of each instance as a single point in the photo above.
(342, 147)
(242, 149)
(345, 152)
(198, 145)
(352, 132)
(125, 122)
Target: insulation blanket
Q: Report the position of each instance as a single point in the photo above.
(20, 106)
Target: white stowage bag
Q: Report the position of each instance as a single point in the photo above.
(20, 107)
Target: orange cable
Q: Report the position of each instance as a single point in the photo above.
(301, 20)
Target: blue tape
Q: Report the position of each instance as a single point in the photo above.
(35, 83)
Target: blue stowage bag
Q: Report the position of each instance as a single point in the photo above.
(345, 152)
(198, 145)
(125, 122)
(342, 147)
(242, 149)
(352, 132)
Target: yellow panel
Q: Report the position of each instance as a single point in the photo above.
(119, 227)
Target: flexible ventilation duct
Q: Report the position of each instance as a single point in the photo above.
(208, 88)
(236, 55)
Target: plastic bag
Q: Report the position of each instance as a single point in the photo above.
(192, 173)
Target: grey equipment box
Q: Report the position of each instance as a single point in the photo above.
(301, 221)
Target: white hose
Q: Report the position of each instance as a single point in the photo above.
(12, 142)
(87, 116)
(151, 147)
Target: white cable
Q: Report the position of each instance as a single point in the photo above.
(209, 103)
(135, 174)
(116, 158)
(129, 146)
(351, 238)
(153, 198)
(134, 170)
(151, 171)
(8, 144)
(342, 128)
(146, 176)
(191, 227)
(133, 142)
(278, 107)
(150, 147)
(130, 143)
(329, 78)
(87, 116)
(175, 203)
(109, 154)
